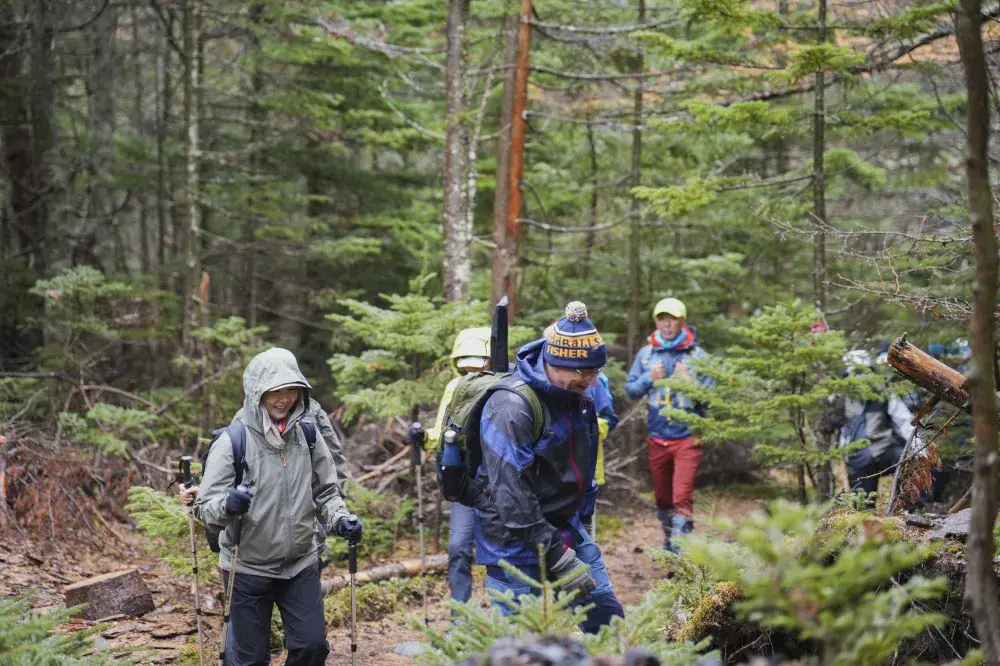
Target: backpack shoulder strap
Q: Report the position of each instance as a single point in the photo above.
(309, 430)
(238, 436)
(517, 385)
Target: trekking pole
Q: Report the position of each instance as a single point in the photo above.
(238, 525)
(185, 465)
(593, 524)
(352, 568)
(418, 435)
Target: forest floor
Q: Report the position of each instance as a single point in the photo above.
(44, 565)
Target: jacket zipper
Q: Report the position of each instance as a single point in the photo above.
(572, 460)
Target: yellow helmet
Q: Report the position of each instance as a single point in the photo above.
(670, 306)
(472, 342)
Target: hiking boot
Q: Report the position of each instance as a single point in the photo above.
(666, 520)
(680, 525)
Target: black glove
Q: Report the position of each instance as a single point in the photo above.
(238, 501)
(349, 527)
(581, 580)
(416, 435)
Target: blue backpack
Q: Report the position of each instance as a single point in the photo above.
(238, 436)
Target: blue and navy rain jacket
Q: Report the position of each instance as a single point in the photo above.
(535, 489)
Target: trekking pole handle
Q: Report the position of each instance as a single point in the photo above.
(352, 558)
(185, 467)
(417, 437)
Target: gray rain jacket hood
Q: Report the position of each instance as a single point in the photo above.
(291, 486)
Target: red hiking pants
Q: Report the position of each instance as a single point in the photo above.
(673, 465)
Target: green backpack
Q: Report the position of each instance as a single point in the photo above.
(457, 480)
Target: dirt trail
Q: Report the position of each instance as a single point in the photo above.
(167, 634)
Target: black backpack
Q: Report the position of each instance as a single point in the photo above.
(238, 436)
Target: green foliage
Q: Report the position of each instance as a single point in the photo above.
(86, 314)
(166, 522)
(28, 638)
(108, 428)
(406, 345)
(844, 589)
(376, 601)
(771, 388)
(386, 519)
(552, 612)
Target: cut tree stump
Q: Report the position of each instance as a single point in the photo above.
(117, 593)
(404, 569)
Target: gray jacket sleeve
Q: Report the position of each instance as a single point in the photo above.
(326, 495)
(509, 460)
(217, 478)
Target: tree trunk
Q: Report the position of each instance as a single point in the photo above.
(457, 237)
(17, 156)
(517, 138)
(635, 233)
(501, 254)
(103, 82)
(164, 195)
(594, 194)
(981, 584)
(819, 177)
(191, 210)
(824, 473)
(137, 121)
(257, 116)
(43, 132)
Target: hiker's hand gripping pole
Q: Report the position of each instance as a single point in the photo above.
(188, 481)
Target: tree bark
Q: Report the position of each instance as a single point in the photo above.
(517, 139)
(43, 132)
(257, 116)
(819, 176)
(145, 263)
(17, 156)
(164, 181)
(191, 209)
(101, 225)
(635, 232)
(501, 253)
(981, 584)
(594, 199)
(824, 474)
(404, 569)
(457, 237)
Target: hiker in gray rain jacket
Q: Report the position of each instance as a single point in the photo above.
(289, 487)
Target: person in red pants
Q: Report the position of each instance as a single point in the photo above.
(674, 452)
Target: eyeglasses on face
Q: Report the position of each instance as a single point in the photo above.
(591, 374)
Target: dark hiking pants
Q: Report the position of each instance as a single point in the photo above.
(300, 602)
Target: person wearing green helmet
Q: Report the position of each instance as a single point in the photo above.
(470, 353)
(674, 452)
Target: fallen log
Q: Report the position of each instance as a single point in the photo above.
(117, 593)
(404, 569)
(929, 373)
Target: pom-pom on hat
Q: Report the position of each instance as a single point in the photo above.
(573, 341)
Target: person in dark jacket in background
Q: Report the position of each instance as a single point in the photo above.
(674, 452)
(884, 423)
(538, 491)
